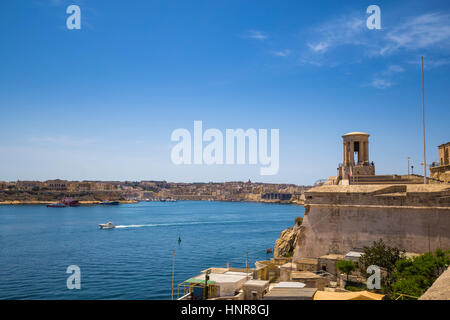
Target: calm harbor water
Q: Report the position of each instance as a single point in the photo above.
(133, 261)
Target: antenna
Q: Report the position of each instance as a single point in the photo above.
(423, 124)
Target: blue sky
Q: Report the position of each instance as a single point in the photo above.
(102, 102)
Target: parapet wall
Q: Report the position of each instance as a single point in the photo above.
(415, 218)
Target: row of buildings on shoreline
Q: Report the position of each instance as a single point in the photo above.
(155, 190)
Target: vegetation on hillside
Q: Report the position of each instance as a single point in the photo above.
(414, 276)
(401, 276)
(383, 256)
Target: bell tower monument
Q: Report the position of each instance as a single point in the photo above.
(356, 156)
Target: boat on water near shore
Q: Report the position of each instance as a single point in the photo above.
(70, 202)
(57, 205)
(111, 203)
(108, 225)
(66, 202)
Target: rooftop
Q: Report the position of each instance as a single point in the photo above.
(306, 261)
(289, 284)
(411, 188)
(221, 277)
(355, 134)
(290, 294)
(333, 257)
(354, 254)
(304, 275)
(256, 283)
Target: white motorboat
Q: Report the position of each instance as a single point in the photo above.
(108, 225)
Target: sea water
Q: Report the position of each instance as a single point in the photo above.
(134, 260)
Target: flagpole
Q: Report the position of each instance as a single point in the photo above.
(423, 125)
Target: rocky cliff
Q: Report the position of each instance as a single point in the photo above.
(285, 245)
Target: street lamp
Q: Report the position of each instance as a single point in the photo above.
(408, 165)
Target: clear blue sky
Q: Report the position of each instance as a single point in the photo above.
(102, 102)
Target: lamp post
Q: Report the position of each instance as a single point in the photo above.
(408, 165)
(206, 283)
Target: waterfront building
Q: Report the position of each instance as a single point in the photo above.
(28, 185)
(57, 184)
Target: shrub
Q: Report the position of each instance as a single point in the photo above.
(383, 256)
(414, 276)
(298, 221)
(346, 266)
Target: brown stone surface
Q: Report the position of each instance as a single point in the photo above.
(440, 290)
(285, 245)
(415, 218)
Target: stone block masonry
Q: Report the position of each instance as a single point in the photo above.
(415, 218)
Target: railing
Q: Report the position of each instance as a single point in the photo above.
(319, 182)
(402, 297)
(185, 297)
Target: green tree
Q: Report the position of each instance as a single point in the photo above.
(414, 276)
(298, 221)
(383, 256)
(346, 266)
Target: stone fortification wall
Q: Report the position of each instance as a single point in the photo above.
(415, 218)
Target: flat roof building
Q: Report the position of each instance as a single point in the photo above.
(287, 293)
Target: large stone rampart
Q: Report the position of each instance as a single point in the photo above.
(415, 218)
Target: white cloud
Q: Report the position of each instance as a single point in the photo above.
(382, 79)
(319, 47)
(281, 53)
(392, 69)
(428, 31)
(255, 34)
(421, 32)
(380, 83)
(313, 62)
(431, 64)
(341, 31)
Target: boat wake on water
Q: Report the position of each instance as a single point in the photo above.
(178, 224)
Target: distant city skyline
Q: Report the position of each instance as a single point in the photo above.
(100, 103)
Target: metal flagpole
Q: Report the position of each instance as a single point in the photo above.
(423, 124)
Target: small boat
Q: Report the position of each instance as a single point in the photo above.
(56, 205)
(108, 225)
(269, 250)
(111, 203)
(70, 202)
